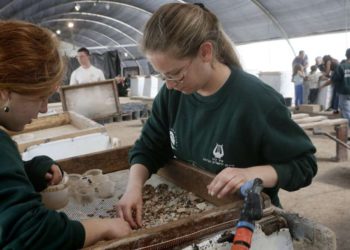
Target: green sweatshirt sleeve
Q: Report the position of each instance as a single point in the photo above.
(36, 169)
(338, 74)
(153, 149)
(295, 162)
(24, 221)
(297, 173)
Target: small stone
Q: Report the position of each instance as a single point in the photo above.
(201, 206)
(162, 204)
(181, 210)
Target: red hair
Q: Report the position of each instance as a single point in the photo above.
(30, 62)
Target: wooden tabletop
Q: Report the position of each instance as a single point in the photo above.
(127, 131)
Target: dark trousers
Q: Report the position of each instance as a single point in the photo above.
(335, 98)
(313, 96)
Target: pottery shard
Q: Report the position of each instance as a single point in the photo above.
(181, 210)
(163, 204)
(201, 206)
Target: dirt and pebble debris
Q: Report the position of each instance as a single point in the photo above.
(162, 204)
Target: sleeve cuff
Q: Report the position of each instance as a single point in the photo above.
(144, 161)
(283, 174)
(36, 170)
(79, 240)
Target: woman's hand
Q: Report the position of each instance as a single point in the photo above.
(104, 229)
(228, 181)
(117, 228)
(130, 207)
(54, 175)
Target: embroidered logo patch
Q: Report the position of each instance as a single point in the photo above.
(217, 157)
(218, 151)
(173, 140)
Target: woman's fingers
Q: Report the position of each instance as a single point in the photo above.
(231, 187)
(56, 175)
(219, 182)
(48, 177)
(139, 215)
(226, 182)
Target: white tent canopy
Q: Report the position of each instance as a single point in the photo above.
(105, 25)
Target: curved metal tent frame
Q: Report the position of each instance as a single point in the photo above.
(275, 22)
(244, 21)
(96, 22)
(95, 15)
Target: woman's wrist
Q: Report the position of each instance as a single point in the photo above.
(137, 178)
(267, 173)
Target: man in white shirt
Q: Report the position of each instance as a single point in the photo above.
(86, 72)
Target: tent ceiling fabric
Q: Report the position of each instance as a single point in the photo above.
(105, 25)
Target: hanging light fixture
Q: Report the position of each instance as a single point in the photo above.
(77, 7)
(70, 25)
(107, 6)
(125, 54)
(58, 32)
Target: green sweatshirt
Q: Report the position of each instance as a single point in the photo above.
(341, 78)
(245, 123)
(24, 221)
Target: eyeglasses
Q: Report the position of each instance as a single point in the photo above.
(177, 79)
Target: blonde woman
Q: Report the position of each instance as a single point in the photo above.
(212, 114)
(30, 71)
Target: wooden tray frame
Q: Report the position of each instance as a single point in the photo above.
(162, 237)
(102, 84)
(86, 125)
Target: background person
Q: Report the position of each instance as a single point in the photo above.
(341, 78)
(298, 79)
(86, 72)
(301, 59)
(330, 64)
(313, 82)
